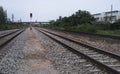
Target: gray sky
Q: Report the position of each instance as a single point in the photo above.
(46, 10)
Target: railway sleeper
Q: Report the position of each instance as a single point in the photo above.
(108, 61)
(93, 53)
(96, 71)
(100, 58)
(100, 55)
(88, 65)
(115, 66)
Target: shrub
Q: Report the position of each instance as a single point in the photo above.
(86, 28)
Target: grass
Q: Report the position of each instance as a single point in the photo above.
(12, 26)
(109, 32)
(86, 28)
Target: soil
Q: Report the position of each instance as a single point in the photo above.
(34, 60)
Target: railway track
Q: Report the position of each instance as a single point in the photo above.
(104, 43)
(9, 36)
(7, 33)
(105, 60)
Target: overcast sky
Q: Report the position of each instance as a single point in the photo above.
(46, 10)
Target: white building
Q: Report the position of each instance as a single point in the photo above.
(107, 16)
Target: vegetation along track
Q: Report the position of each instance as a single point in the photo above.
(106, 61)
(7, 37)
(93, 34)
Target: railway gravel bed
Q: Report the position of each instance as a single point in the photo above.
(20, 57)
(23, 56)
(34, 60)
(65, 61)
(108, 44)
(103, 58)
(11, 55)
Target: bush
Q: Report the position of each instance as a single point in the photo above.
(12, 26)
(86, 28)
(116, 25)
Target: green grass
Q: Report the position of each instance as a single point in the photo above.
(82, 28)
(85, 28)
(12, 26)
(109, 32)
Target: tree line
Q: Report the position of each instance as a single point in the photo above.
(82, 21)
(3, 17)
(6, 24)
(80, 17)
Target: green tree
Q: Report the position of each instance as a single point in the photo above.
(3, 17)
(80, 17)
(76, 19)
(83, 17)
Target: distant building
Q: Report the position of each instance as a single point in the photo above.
(107, 16)
(45, 22)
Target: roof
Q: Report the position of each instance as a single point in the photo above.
(115, 11)
(112, 12)
(97, 14)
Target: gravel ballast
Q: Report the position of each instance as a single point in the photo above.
(65, 61)
(34, 53)
(34, 60)
(12, 54)
(25, 55)
(108, 44)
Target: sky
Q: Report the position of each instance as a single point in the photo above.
(46, 10)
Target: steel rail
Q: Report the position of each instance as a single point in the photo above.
(95, 62)
(8, 41)
(88, 46)
(6, 34)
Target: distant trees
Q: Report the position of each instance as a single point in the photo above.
(116, 25)
(82, 17)
(78, 18)
(80, 21)
(3, 17)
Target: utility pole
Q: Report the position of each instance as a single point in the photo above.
(20, 20)
(12, 17)
(111, 12)
(6, 21)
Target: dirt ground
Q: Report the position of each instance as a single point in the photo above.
(34, 60)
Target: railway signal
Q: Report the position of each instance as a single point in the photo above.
(31, 15)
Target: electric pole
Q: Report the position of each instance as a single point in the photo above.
(12, 17)
(111, 12)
